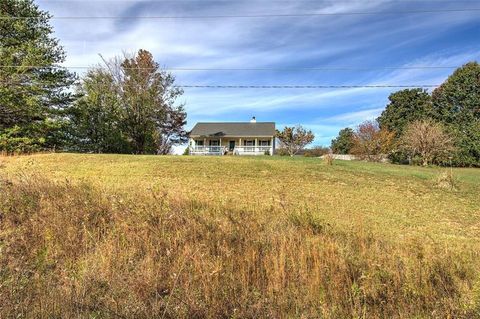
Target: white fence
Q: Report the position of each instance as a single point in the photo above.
(207, 150)
(348, 157)
(252, 150)
(343, 157)
(238, 150)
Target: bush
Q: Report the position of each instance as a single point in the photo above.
(328, 159)
(427, 141)
(446, 180)
(371, 143)
(281, 151)
(316, 151)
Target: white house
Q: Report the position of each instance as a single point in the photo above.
(233, 138)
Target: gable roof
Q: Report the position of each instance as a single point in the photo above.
(234, 129)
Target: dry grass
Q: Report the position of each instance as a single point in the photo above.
(447, 180)
(89, 247)
(328, 159)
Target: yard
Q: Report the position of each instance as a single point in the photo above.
(140, 236)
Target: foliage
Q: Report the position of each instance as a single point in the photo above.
(405, 107)
(129, 105)
(96, 117)
(447, 180)
(343, 143)
(456, 103)
(372, 143)
(427, 140)
(294, 139)
(32, 98)
(281, 151)
(172, 237)
(328, 159)
(316, 151)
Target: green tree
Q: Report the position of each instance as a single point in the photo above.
(148, 97)
(294, 139)
(96, 117)
(33, 89)
(405, 106)
(343, 143)
(129, 106)
(456, 103)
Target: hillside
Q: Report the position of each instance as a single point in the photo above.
(110, 236)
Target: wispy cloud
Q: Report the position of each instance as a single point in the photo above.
(351, 40)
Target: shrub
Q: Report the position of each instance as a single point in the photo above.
(427, 141)
(316, 151)
(446, 180)
(328, 159)
(281, 151)
(372, 143)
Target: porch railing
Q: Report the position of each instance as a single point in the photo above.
(252, 149)
(207, 149)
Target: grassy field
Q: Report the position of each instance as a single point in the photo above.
(111, 236)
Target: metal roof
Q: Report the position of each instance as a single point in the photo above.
(234, 129)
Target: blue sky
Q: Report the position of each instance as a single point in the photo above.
(357, 41)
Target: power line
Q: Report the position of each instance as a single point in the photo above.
(326, 68)
(293, 15)
(276, 86)
(306, 86)
(265, 1)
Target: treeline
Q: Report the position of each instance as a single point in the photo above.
(440, 128)
(126, 105)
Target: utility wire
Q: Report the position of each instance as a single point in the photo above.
(306, 86)
(293, 15)
(269, 1)
(326, 68)
(311, 86)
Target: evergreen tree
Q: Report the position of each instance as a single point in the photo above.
(456, 103)
(343, 143)
(405, 107)
(33, 89)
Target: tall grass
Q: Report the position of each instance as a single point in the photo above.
(73, 251)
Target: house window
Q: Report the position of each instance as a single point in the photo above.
(199, 142)
(249, 143)
(265, 143)
(214, 143)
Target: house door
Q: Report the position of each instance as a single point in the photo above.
(231, 145)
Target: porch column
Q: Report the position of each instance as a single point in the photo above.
(255, 149)
(239, 145)
(271, 146)
(220, 144)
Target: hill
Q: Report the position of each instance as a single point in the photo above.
(145, 236)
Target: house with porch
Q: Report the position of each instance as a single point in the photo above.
(233, 138)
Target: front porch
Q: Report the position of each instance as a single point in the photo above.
(231, 146)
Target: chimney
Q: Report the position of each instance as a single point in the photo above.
(253, 120)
